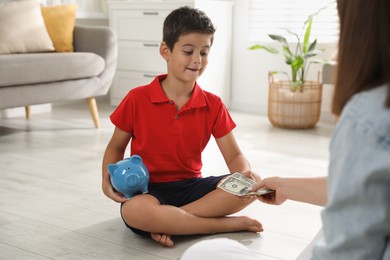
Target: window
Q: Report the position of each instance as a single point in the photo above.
(272, 17)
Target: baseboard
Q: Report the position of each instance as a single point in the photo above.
(328, 117)
(325, 117)
(248, 108)
(21, 112)
(104, 98)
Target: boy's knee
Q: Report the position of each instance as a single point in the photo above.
(138, 211)
(131, 212)
(246, 200)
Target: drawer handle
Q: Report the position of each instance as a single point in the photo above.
(150, 45)
(150, 13)
(149, 76)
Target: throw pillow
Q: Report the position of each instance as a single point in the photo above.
(22, 28)
(60, 21)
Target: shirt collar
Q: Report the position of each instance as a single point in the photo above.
(157, 94)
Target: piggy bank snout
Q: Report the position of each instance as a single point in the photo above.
(132, 180)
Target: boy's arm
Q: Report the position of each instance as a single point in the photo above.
(234, 158)
(114, 152)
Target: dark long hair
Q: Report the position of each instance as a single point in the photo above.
(364, 49)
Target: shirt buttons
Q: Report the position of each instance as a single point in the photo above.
(171, 102)
(177, 117)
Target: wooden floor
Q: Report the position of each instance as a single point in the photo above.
(52, 207)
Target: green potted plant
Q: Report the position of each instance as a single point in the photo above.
(297, 59)
(287, 107)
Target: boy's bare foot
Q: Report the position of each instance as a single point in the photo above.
(250, 224)
(163, 239)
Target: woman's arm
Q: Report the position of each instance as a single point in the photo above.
(310, 190)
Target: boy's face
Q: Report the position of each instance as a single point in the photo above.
(189, 57)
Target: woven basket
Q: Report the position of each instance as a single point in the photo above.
(299, 109)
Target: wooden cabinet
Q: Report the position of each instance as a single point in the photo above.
(139, 29)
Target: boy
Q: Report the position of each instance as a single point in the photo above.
(169, 123)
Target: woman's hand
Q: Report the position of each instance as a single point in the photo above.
(274, 183)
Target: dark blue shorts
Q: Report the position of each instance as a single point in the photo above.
(179, 193)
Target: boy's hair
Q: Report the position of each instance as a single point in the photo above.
(184, 20)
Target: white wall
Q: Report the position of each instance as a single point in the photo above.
(249, 90)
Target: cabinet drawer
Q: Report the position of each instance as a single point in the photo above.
(140, 56)
(139, 24)
(127, 80)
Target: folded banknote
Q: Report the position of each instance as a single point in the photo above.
(239, 184)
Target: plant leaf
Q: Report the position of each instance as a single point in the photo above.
(307, 34)
(262, 47)
(288, 55)
(319, 61)
(311, 54)
(278, 38)
(312, 46)
(293, 33)
(298, 62)
(296, 65)
(280, 72)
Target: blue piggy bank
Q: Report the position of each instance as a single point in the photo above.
(129, 176)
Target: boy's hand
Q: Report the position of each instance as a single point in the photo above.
(252, 175)
(110, 192)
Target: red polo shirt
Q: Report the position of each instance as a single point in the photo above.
(171, 142)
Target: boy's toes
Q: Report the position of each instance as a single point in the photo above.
(163, 239)
(257, 227)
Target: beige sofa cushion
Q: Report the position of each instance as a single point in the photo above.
(35, 68)
(22, 28)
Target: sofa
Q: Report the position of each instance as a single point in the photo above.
(37, 78)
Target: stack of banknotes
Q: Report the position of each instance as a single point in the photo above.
(239, 184)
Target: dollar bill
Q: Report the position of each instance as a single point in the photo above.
(240, 185)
